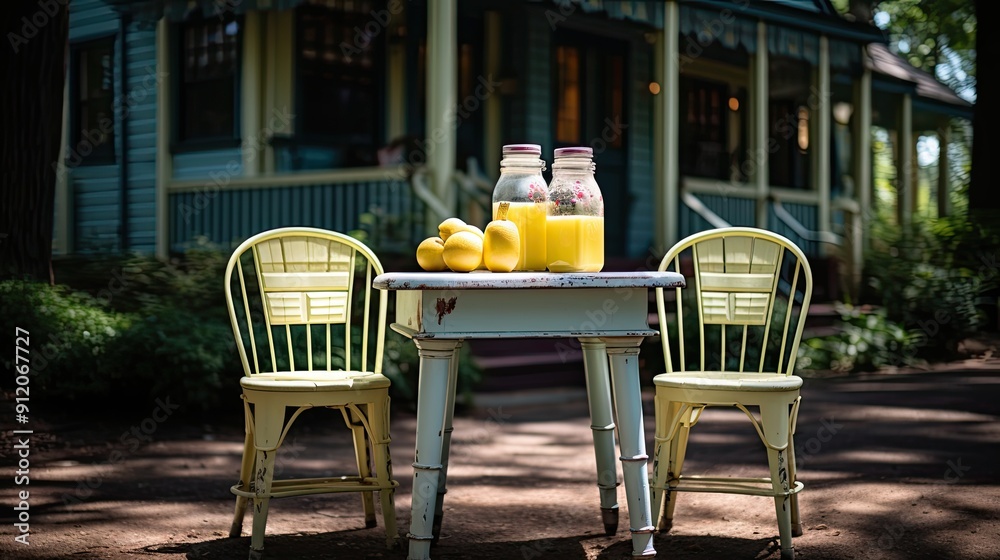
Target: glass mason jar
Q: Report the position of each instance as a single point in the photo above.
(522, 185)
(575, 225)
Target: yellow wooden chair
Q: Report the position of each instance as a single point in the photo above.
(730, 338)
(310, 333)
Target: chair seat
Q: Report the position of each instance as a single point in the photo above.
(299, 381)
(728, 381)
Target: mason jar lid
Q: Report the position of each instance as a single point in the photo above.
(528, 149)
(575, 151)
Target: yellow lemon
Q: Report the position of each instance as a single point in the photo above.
(474, 229)
(430, 254)
(463, 251)
(501, 246)
(450, 226)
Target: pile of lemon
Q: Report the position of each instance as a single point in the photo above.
(462, 247)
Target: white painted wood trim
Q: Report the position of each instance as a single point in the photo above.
(666, 125)
(822, 140)
(700, 185)
(442, 43)
(863, 155)
(904, 167)
(759, 137)
(251, 102)
(944, 168)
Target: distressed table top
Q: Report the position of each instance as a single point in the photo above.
(485, 280)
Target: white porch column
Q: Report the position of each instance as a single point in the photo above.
(251, 99)
(944, 168)
(164, 159)
(823, 113)
(863, 158)
(758, 141)
(442, 79)
(904, 164)
(666, 122)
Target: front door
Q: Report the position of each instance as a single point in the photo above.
(590, 110)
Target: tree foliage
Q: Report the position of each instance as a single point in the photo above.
(938, 36)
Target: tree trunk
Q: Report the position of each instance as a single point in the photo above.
(34, 73)
(984, 198)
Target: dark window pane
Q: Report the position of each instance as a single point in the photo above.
(94, 130)
(337, 62)
(788, 115)
(703, 138)
(209, 68)
(568, 96)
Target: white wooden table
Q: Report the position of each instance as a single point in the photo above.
(606, 311)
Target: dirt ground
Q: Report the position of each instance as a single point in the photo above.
(896, 466)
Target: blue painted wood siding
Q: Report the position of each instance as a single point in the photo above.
(95, 190)
(387, 210)
(642, 205)
(143, 77)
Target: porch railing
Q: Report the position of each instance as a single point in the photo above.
(383, 209)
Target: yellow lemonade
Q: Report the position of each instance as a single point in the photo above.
(575, 243)
(530, 219)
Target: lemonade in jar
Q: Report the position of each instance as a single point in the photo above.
(575, 223)
(522, 185)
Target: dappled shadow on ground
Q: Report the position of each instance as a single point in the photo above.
(895, 467)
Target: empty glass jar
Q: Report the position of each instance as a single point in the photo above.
(522, 185)
(575, 224)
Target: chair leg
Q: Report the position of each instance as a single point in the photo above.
(678, 448)
(262, 487)
(793, 476)
(246, 471)
(665, 412)
(777, 460)
(364, 466)
(378, 416)
(671, 444)
(269, 420)
(775, 423)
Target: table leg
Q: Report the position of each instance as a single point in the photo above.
(436, 356)
(449, 415)
(623, 354)
(602, 424)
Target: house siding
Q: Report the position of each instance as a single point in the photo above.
(94, 190)
(641, 219)
(225, 217)
(91, 19)
(139, 98)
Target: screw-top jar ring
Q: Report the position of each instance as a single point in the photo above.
(574, 151)
(533, 149)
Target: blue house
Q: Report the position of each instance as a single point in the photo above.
(192, 120)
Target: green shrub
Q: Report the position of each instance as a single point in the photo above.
(172, 351)
(73, 339)
(134, 328)
(926, 279)
(866, 341)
